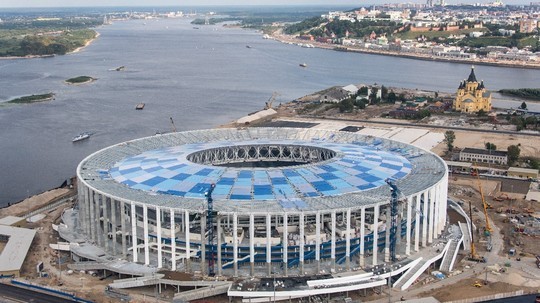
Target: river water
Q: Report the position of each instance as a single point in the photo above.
(200, 77)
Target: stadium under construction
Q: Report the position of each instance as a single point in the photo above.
(261, 201)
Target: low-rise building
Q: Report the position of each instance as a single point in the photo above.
(523, 173)
(483, 156)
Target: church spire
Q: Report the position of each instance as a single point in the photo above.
(472, 76)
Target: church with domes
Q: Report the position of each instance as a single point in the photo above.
(472, 96)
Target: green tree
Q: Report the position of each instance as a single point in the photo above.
(449, 138)
(491, 146)
(513, 153)
(519, 122)
(523, 105)
(423, 113)
(363, 91)
(373, 96)
(392, 97)
(346, 106)
(384, 93)
(481, 113)
(361, 104)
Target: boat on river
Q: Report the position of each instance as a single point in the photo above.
(81, 136)
(303, 65)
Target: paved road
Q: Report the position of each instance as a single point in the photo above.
(17, 294)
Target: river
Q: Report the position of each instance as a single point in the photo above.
(200, 77)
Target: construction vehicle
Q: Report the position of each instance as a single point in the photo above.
(528, 210)
(501, 197)
(473, 256)
(477, 284)
(268, 104)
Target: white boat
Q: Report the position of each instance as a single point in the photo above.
(81, 136)
(303, 65)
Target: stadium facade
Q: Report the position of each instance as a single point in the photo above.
(286, 201)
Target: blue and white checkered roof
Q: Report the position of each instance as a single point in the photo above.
(355, 168)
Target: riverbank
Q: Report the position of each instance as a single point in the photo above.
(425, 57)
(78, 49)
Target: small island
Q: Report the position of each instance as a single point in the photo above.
(80, 80)
(32, 99)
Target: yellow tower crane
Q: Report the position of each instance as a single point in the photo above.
(484, 203)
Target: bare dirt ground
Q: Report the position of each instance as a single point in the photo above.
(505, 206)
(34, 202)
(465, 289)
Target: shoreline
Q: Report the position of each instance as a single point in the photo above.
(78, 49)
(291, 39)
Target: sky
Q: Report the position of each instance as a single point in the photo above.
(180, 3)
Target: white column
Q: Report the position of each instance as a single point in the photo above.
(81, 202)
(302, 242)
(124, 228)
(173, 240)
(235, 243)
(188, 246)
(444, 202)
(408, 224)
(348, 240)
(285, 242)
(134, 233)
(159, 243)
(442, 205)
(145, 235)
(375, 232)
(92, 216)
(88, 225)
(105, 222)
(269, 243)
(362, 235)
(202, 246)
(97, 204)
(417, 223)
(388, 226)
(431, 215)
(252, 243)
(113, 225)
(218, 227)
(333, 239)
(436, 209)
(318, 241)
(425, 219)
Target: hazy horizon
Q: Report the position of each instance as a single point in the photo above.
(156, 3)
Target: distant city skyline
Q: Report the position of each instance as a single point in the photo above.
(94, 3)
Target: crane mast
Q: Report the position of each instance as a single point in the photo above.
(172, 124)
(394, 215)
(484, 203)
(210, 229)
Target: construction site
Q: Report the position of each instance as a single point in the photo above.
(330, 256)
